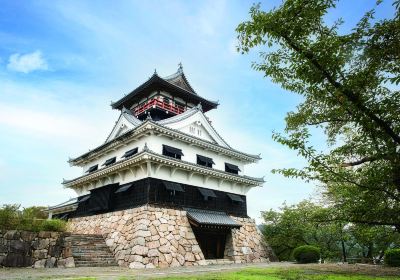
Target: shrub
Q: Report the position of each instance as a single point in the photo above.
(9, 216)
(306, 254)
(392, 257)
(29, 219)
(54, 225)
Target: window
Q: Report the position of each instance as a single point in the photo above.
(109, 161)
(172, 152)
(198, 132)
(205, 161)
(231, 168)
(93, 168)
(124, 188)
(130, 153)
(236, 199)
(173, 187)
(207, 193)
(192, 129)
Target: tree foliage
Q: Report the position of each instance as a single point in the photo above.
(349, 82)
(305, 224)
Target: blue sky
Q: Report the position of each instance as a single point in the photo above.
(63, 62)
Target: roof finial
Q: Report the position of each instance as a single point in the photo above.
(149, 118)
(155, 71)
(180, 67)
(145, 148)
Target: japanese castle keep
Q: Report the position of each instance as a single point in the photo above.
(165, 189)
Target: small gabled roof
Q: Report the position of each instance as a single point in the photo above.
(176, 84)
(201, 217)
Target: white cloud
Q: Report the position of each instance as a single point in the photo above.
(26, 63)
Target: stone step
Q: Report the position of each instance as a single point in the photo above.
(94, 263)
(103, 260)
(219, 261)
(90, 264)
(90, 250)
(94, 256)
(92, 247)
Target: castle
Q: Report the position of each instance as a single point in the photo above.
(165, 189)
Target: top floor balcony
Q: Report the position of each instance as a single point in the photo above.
(166, 105)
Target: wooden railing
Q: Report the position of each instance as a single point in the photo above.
(153, 103)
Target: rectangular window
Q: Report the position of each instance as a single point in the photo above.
(109, 161)
(130, 153)
(235, 198)
(231, 168)
(172, 152)
(207, 193)
(173, 187)
(205, 161)
(93, 168)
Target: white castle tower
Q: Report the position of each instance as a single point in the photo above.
(165, 189)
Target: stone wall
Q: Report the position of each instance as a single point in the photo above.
(36, 249)
(149, 236)
(247, 244)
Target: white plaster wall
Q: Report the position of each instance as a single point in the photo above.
(190, 152)
(116, 153)
(155, 143)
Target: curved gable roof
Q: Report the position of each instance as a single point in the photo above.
(194, 115)
(125, 122)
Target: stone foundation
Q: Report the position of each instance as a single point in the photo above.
(149, 236)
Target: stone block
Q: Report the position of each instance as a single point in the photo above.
(18, 246)
(28, 236)
(50, 262)
(17, 260)
(139, 250)
(196, 249)
(139, 241)
(44, 234)
(153, 253)
(136, 265)
(55, 251)
(164, 249)
(39, 264)
(150, 265)
(153, 244)
(12, 235)
(69, 262)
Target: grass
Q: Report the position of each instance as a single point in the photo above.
(283, 274)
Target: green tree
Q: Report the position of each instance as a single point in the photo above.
(305, 224)
(349, 84)
(372, 241)
(296, 225)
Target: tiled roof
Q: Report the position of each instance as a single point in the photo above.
(211, 218)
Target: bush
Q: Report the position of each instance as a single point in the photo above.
(9, 216)
(29, 219)
(392, 257)
(306, 254)
(53, 225)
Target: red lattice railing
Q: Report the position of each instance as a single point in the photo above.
(153, 103)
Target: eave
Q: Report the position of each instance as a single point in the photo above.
(151, 127)
(158, 83)
(62, 209)
(147, 156)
